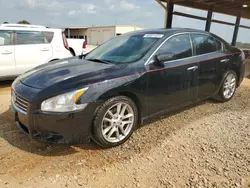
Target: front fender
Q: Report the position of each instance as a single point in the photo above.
(133, 86)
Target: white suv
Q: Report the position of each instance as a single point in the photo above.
(23, 47)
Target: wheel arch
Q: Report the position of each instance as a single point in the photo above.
(133, 96)
(136, 100)
(235, 68)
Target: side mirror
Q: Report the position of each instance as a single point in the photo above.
(158, 60)
(83, 55)
(163, 57)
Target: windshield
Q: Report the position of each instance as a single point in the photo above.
(123, 49)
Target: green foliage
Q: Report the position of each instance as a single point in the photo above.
(23, 22)
(243, 45)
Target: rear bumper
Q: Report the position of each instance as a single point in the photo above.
(70, 128)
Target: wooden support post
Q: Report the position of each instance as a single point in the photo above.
(209, 20)
(236, 30)
(170, 7)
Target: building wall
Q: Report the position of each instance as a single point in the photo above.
(76, 33)
(126, 29)
(98, 35)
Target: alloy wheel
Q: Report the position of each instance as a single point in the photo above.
(117, 122)
(229, 86)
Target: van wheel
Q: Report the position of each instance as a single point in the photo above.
(53, 60)
(228, 87)
(115, 122)
(72, 52)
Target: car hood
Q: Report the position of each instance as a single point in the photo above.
(63, 71)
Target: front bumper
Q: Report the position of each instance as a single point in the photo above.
(73, 128)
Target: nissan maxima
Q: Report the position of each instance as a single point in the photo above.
(108, 93)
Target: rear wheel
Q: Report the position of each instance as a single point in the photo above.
(115, 121)
(228, 87)
(72, 51)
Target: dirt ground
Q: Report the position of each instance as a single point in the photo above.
(206, 145)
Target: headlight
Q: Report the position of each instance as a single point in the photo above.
(65, 102)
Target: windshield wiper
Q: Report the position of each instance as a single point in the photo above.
(99, 61)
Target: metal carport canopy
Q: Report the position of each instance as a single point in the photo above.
(238, 8)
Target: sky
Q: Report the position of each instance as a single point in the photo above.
(142, 13)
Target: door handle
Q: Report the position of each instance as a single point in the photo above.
(194, 68)
(224, 60)
(6, 52)
(45, 49)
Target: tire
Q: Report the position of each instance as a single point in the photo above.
(103, 128)
(53, 60)
(72, 51)
(222, 97)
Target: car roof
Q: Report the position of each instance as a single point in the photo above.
(21, 27)
(166, 31)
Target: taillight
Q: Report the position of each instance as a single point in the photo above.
(84, 44)
(65, 42)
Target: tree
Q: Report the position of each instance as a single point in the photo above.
(5, 22)
(23, 22)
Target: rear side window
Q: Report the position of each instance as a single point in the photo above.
(219, 45)
(204, 44)
(5, 37)
(29, 37)
(49, 36)
(179, 46)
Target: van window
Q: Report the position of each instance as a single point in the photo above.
(29, 37)
(204, 44)
(49, 36)
(179, 46)
(5, 37)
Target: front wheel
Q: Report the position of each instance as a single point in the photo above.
(115, 121)
(228, 87)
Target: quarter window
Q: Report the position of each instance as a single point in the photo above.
(49, 36)
(5, 38)
(204, 44)
(179, 46)
(29, 37)
(219, 45)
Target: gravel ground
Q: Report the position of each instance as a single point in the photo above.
(206, 145)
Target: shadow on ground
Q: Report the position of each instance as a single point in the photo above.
(247, 70)
(5, 84)
(11, 133)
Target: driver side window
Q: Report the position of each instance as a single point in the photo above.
(178, 47)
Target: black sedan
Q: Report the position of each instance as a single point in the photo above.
(107, 94)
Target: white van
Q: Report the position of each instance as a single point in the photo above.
(23, 47)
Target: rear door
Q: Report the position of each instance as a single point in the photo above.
(209, 57)
(31, 49)
(7, 60)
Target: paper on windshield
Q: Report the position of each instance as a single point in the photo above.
(159, 36)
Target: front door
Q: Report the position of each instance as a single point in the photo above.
(7, 58)
(174, 83)
(31, 50)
